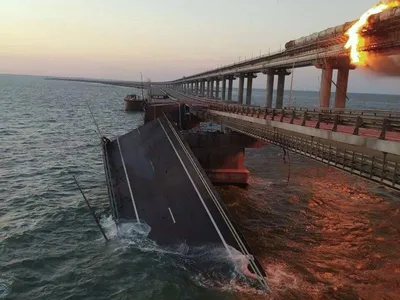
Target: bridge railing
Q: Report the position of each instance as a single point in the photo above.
(381, 121)
(374, 165)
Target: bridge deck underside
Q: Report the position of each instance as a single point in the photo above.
(371, 164)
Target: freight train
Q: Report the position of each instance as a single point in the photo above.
(325, 37)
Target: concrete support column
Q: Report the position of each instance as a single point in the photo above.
(241, 86)
(211, 89)
(217, 88)
(249, 88)
(208, 88)
(223, 91)
(202, 88)
(230, 88)
(269, 89)
(281, 89)
(197, 88)
(326, 85)
(341, 89)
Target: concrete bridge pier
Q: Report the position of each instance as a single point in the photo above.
(341, 89)
(196, 88)
(343, 66)
(222, 155)
(202, 88)
(249, 89)
(212, 88)
(223, 89)
(217, 88)
(230, 87)
(208, 88)
(326, 85)
(281, 88)
(270, 87)
(241, 87)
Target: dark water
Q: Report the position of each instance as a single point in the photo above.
(325, 235)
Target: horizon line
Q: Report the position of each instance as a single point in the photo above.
(132, 81)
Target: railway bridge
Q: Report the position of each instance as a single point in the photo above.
(362, 142)
(324, 50)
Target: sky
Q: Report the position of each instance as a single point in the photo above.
(166, 39)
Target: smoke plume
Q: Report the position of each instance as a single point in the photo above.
(384, 65)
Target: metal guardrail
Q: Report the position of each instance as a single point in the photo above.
(383, 121)
(378, 166)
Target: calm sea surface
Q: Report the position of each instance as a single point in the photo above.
(322, 235)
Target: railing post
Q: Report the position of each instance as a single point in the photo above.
(303, 123)
(293, 116)
(273, 114)
(337, 121)
(385, 126)
(359, 123)
(282, 115)
(319, 121)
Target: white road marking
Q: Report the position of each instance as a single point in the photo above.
(222, 212)
(198, 193)
(127, 179)
(152, 165)
(172, 216)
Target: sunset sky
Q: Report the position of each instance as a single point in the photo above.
(165, 39)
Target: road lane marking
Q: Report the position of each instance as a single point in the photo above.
(198, 193)
(172, 216)
(152, 165)
(222, 212)
(129, 183)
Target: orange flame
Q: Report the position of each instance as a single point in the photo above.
(355, 40)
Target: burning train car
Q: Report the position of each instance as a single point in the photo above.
(338, 34)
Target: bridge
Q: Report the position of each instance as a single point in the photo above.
(186, 209)
(324, 50)
(362, 142)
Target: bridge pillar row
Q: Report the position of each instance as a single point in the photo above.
(230, 87)
(223, 89)
(241, 87)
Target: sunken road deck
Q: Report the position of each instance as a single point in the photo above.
(154, 178)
